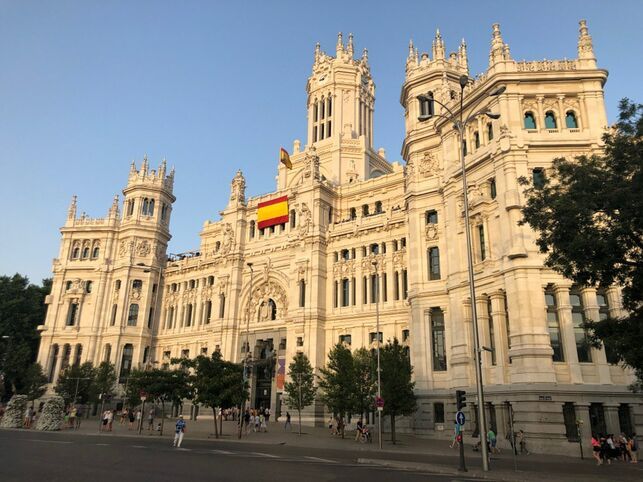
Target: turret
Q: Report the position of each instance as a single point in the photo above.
(586, 56)
(499, 49)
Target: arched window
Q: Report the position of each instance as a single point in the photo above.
(273, 309)
(126, 362)
(252, 229)
(353, 214)
(150, 208)
(75, 253)
(132, 317)
(302, 293)
(52, 362)
(489, 131)
(345, 292)
(476, 138)
(570, 120)
(365, 210)
(530, 121)
(550, 120)
(145, 206)
(130, 207)
(163, 211)
(426, 106)
(86, 252)
(78, 355)
(96, 252)
(293, 218)
(89, 286)
(108, 352)
(378, 207)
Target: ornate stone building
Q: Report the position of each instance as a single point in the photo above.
(308, 281)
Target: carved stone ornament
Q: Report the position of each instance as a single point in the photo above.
(227, 244)
(143, 248)
(305, 220)
(431, 232)
(238, 188)
(125, 248)
(261, 295)
(428, 164)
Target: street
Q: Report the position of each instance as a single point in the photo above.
(60, 456)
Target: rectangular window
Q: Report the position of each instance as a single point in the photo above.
(72, 314)
(345, 339)
(150, 318)
(569, 416)
(384, 288)
(372, 337)
(438, 345)
(405, 335)
(553, 326)
(578, 318)
(492, 334)
(114, 312)
(364, 290)
(302, 293)
(354, 291)
(335, 295)
(483, 247)
(434, 263)
(538, 177)
(132, 317)
(374, 288)
(405, 285)
(208, 311)
(438, 412)
(493, 192)
(345, 292)
(396, 285)
(431, 217)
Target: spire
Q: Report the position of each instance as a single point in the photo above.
(463, 60)
(411, 50)
(162, 169)
(365, 56)
(349, 47)
(317, 51)
(499, 49)
(438, 46)
(113, 211)
(144, 166)
(71, 212)
(585, 47)
(340, 44)
(132, 168)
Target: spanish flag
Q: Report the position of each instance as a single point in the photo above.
(285, 158)
(273, 212)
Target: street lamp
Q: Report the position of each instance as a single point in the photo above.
(377, 335)
(247, 346)
(427, 111)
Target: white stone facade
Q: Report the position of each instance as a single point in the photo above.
(356, 218)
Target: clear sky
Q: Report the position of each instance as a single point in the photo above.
(88, 86)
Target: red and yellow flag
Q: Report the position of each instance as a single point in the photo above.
(273, 212)
(285, 158)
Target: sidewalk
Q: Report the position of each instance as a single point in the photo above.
(410, 453)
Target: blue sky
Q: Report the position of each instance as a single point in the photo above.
(88, 86)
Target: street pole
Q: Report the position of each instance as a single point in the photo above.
(246, 350)
(377, 334)
(472, 290)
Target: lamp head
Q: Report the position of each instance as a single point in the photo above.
(497, 91)
(492, 116)
(464, 80)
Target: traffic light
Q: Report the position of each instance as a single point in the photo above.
(460, 399)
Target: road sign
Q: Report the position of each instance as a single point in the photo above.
(379, 402)
(143, 395)
(459, 418)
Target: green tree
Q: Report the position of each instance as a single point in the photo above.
(34, 382)
(75, 383)
(364, 381)
(589, 219)
(104, 381)
(301, 390)
(336, 382)
(22, 309)
(397, 384)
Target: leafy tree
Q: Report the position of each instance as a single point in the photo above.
(104, 381)
(397, 384)
(76, 381)
(589, 219)
(337, 382)
(364, 381)
(34, 382)
(22, 309)
(301, 390)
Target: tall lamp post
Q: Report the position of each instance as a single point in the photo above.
(247, 347)
(427, 112)
(377, 335)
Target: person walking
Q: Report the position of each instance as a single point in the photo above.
(246, 420)
(130, 416)
(72, 417)
(522, 442)
(596, 450)
(287, 425)
(79, 416)
(492, 440)
(150, 420)
(634, 448)
(110, 420)
(456, 436)
(179, 432)
(26, 423)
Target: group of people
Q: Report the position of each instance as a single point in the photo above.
(620, 447)
(73, 417)
(256, 419)
(30, 417)
(492, 441)
(128, 415)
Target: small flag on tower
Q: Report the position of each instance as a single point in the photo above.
(285, 158)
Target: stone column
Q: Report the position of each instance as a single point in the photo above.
(499, 317)
(582, 416)
(590, 306)
(611, 418)
(564, 311)
(484, 334)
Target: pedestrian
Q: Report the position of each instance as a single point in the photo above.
(492, 441)
(26, 423)
(522, 442)
(72, 417)
(105, 419)
(287, 425)
(110, 420)
(124, 415)
(246, 420)
(262, 423)
(256, 421)
(267, 414)
(139, 417)
(150, 420)
(596, 449)
(359, 428)
(130, 416)
(79, 416)
(634, 448)
(456, 436)
(179, 431)
(330, 426)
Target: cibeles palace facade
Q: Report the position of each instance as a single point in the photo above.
(353, 217)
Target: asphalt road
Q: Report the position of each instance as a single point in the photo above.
(50, 457)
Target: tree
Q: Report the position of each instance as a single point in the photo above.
(22, 309)
(301, 390)
(397, 384)
(364, 381)
(75, 383)
(34, 382)
(337, 382)
(104, 381)
(588, 216)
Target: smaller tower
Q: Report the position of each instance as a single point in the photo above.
(499, 49)
(586, 55)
